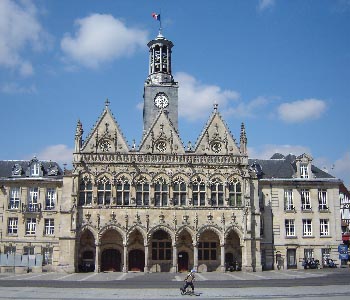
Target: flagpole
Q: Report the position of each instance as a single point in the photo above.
(160, 21)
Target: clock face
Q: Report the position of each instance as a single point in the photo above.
(161, 146)
(105, 146)
(161, 100)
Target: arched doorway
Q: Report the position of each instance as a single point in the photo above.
(86, 252)
(233, 256)
(136, 260)
(161, 251)
(111, 260)
(183, 262)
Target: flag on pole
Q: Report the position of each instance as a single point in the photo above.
(156, 16)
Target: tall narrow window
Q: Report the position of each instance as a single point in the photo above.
(33, 199)
(85, 192)
(142, 194)
(324, 227)
(104, 191)
(123, 192)
(217, 194)
(322, 199)
(12, 226)
(47, 253)
(198, 194)
(288, 199)
(235, 193)
(14, 198)
(161, 194)
(35, 169)
(179, 189)
(308, 253)
(49, 227)
(290, 227)
(305, 199)
(30, 226)
(304, 172)
(307, 227)
(50, 198)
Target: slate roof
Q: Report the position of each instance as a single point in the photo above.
(282, 167)
(6, 167)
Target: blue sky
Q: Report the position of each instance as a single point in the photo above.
(281, 67)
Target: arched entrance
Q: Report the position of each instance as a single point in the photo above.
(183, 261)
(161, 251)
(233, 252)
(136, 260)
(111, 260)
(86, 252)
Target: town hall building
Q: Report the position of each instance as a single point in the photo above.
(163, 207)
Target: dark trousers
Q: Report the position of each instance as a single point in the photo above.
(188, 284)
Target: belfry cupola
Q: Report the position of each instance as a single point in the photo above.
(160, 91)
(160, 60)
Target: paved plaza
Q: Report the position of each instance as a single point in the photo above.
(283, 284)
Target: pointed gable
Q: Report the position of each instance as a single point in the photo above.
(106, 136)
(216, 138)
(162, 137)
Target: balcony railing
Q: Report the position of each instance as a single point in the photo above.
(31, 208)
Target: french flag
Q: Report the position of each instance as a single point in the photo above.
(156, 16)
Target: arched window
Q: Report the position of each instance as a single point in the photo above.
(180, 193)
(142, 193)
(161, 193)
(198, 193)
(85, 192)
(123, 192)
(235, 193)
(217, 193)
(104, 191)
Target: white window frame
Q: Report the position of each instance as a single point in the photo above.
(324, 227)
(307, 227)
(35, 169)
(304, 171)
(217, 194)
(14, 198)
(305, 199)
(49, 226)
(290, 227)
(33, 197)
(288, 199)
(12, 226)
(50, 200)
(322, 199)
(30, 226)
(123, 192)
(142, 193)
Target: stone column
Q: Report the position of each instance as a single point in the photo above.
(222, 264)
(146, 268)
(125, 259)
(97, 258)
(195, 256)
(174, 258)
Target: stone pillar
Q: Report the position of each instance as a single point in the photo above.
(195, 256)
(125, 259)
(146, 268)
(247, 264)
(222, 263)
(174, 258)
(97, 258)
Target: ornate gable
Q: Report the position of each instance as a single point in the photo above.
(216, 138)
(162, 138)
(106, 136)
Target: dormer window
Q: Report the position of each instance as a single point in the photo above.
(35, 169)
(304, 171)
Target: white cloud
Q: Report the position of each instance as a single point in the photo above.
(14, 88)
(19, 29)
(341, 169)
(101, 38)
(248, 109)
(301, 110)
(196, 98)
(60, 153)
(266, 151)
(265, 4)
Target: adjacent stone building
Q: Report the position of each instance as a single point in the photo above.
(30, 214)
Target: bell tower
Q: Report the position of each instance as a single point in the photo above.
(160, 90)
